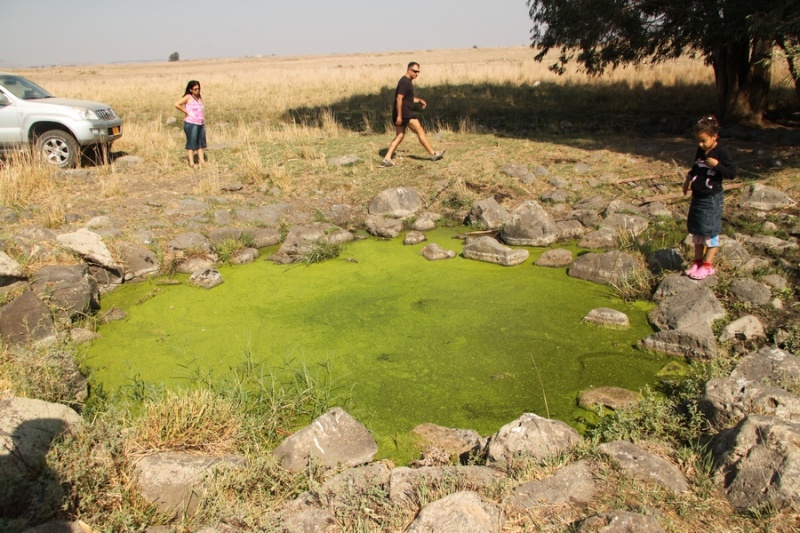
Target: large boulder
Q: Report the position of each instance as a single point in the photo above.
(490, 250)
(640, 464)
(26, 319)
(758, 462)
(612, 267)
(68, 289)
(137, 261)
(397, 202)
(488, 214)
(532, 436)
(175, 482)
(763, 198)
(302, 239)
(461, 512)
(332, 439)
(572, 484)
(10, 270)
(89, 246)
(530, 225)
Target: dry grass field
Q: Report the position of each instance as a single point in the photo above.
(273, 125)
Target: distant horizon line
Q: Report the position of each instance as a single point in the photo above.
(5, 64)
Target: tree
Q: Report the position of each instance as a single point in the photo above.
(736, 37)
(174, 56)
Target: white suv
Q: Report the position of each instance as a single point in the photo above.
(56, 128)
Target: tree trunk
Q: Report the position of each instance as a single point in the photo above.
(732, 73)
(760, 77)
(790, 49)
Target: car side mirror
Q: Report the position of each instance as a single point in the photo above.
(4, 101)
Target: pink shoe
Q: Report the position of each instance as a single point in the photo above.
(703, 272)
(692, 269)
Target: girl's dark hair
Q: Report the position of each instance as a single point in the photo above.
(189, 86)
(707, 124)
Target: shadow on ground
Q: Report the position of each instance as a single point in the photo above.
(596, 114)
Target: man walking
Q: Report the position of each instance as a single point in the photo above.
(404, 117)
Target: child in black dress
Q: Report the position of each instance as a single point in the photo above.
(712, 164)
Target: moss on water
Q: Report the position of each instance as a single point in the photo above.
(458, 343)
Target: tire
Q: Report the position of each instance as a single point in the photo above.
(58, 148)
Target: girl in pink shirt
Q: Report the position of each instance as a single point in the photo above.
(194, 122)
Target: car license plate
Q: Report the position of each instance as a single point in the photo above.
(115, 130)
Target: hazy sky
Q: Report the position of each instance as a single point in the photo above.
(46, 32)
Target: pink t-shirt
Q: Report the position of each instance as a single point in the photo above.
(195, 112)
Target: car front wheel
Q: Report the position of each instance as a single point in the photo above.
(58, 148)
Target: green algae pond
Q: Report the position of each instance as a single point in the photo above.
(459, 343)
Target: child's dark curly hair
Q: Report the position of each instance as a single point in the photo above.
(707, 124)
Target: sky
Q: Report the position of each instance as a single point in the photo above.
(62, 32)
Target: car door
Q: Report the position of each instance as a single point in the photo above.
(10, 133)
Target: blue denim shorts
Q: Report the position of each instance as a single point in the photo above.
(195, 135)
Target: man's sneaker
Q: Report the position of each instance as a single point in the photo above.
(703, 272)
(437, 155)
(693, 268)
(387, 163)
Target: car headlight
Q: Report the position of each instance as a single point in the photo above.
(84, 113)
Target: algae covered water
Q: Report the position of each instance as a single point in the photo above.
(457, 342)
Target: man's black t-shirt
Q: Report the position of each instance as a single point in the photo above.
(406, 88)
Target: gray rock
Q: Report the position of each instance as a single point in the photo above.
(767, 243)
(456, 443)
(434, 252)
(344, 160)
(663, 260)
(461, 512)
(603, 316)
(397, 202)
(692, 343)
(776, 281)
(137, 261)
(587, 217)
(488, 214)
(555, 197)
(622, 223)
(601, 239)
(187, 207)
(190, 241)
(267, 216)
(726, 401)
(10, 270)
(27, 428)
(673, 284)
(687, 309)
(572, 484)
(530, 225)
(206, 279)
(414, 237)
(339, 214)
(69, 290)
(608, 397)
(426, 221)
(89, 246)
(196, 263)
(175, 482)
(640, 464)
(532, 436)
(556, 258)
(514, 170)
(758, 462)
(491, 251)
(751, 291)
(570, 229)
(128, 161)
(657, 210)
(763, 198)
(620, 522)
(331, 439)
(36, 243)
(348, 485)
(302, 238)
(263, 237)
(305, 514)
(383, 226)
(733, 252)
(612, 267)
(232, 186)
(244, 256)
(60, 526)
(594, 203)
(748, 327)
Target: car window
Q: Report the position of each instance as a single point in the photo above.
(22, 88)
